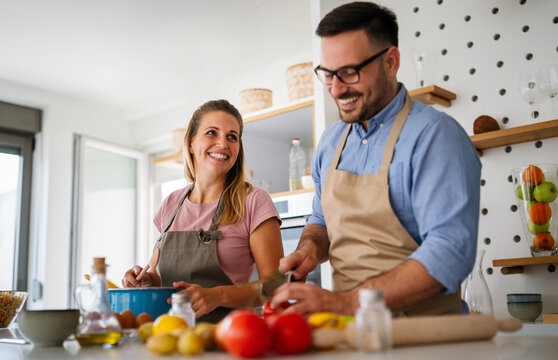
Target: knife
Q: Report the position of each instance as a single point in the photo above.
(269, 285)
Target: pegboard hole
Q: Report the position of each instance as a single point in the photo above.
(440, 2)
(415, 9)
(551, 268)
(535, 114)
(470, 44)
(489, 271)
(508, 149)
(484, 211)
(505, 120)
(522, 2)
(417, 34)
(483, 182)
(487, 241)
(472, 71)
(555, 20)
(474, 98)
(444, 51)
(442, 26)
(502, 92)
(510, 179)
(496, 37)
(446, 77)
(500, 64)
(467, 18)
(529, 56)
(525, 28)
(517, 238)
(538, 144)
(495, 10)
(513, 208)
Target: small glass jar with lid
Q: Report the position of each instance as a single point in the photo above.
(181, 307)
(373, 322)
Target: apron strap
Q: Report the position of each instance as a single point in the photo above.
(337, 154)
(177, 207)
(394, 133)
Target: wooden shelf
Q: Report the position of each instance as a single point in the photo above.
(174, 161)
(515, 265)
(515, 135)
(433, 94)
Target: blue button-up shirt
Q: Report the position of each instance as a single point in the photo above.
(434, 182)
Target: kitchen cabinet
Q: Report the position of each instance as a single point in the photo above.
(267, 138)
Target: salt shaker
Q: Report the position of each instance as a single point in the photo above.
(373, 322)
(181, 307)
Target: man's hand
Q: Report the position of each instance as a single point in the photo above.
(300, 263)
(311, 299)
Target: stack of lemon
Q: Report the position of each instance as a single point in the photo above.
(171, 333)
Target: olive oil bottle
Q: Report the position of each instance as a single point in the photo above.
(98, 326)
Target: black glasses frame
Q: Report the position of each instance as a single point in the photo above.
(354, 67)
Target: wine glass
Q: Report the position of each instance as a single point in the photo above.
(530, 92)
(548, 76)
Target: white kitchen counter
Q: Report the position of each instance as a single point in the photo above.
(521, 345)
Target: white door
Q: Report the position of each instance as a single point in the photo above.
(109, 210)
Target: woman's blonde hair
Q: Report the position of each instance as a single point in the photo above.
(236, 188)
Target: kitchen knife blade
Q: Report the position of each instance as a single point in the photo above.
(268, 286)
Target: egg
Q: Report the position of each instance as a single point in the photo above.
(130, 319)
(142, 319)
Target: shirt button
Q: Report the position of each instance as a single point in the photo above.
(381, 124)
(364, 141)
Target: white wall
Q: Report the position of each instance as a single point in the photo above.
(50, 210)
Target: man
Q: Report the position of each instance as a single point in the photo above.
(397, 182)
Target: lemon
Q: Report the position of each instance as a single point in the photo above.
(163, 344)
(189, 343)
(165, 324)
(145, 331)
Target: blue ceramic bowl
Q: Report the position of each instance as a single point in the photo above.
(523, 298)
(139, 300)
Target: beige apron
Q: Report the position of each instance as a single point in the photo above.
(191, 256)
(366, 237)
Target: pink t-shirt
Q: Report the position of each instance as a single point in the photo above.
(233, 250)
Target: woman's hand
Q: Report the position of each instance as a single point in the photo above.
(203, 300)
(129, 279)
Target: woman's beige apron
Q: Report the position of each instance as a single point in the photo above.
(366, 236)
(191, 256)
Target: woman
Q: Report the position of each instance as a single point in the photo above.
(214, 231)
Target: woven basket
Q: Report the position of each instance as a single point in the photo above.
(178, 140)
(300, 81)
(254, 99)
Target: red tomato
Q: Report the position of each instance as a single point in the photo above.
(245, 334)
(267, 310)
(291, 333)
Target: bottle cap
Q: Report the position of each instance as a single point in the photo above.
(296, 139)
(180, 297)
(370, 294)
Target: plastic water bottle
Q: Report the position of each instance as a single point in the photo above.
(373, 322)
(297, 165)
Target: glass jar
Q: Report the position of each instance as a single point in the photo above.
(373, 322)
(181, 307)
(476, 293)
(98, 325)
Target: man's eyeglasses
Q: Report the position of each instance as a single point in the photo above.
(346, 74)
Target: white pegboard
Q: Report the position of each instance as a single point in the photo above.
(490, 36)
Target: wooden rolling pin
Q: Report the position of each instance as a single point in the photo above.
(425, 330)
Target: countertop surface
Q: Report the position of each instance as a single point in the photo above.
(529, 343)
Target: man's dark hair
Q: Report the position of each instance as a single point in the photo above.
(379, 22)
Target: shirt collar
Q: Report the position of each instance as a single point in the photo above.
(388, 113)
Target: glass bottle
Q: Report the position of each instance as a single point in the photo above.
(98, 325)
(476, 293)
(181, 307)
(297, 165)
(373, 322)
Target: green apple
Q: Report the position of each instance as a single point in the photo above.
(524, 189)
(536, 228)
(545, 192)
